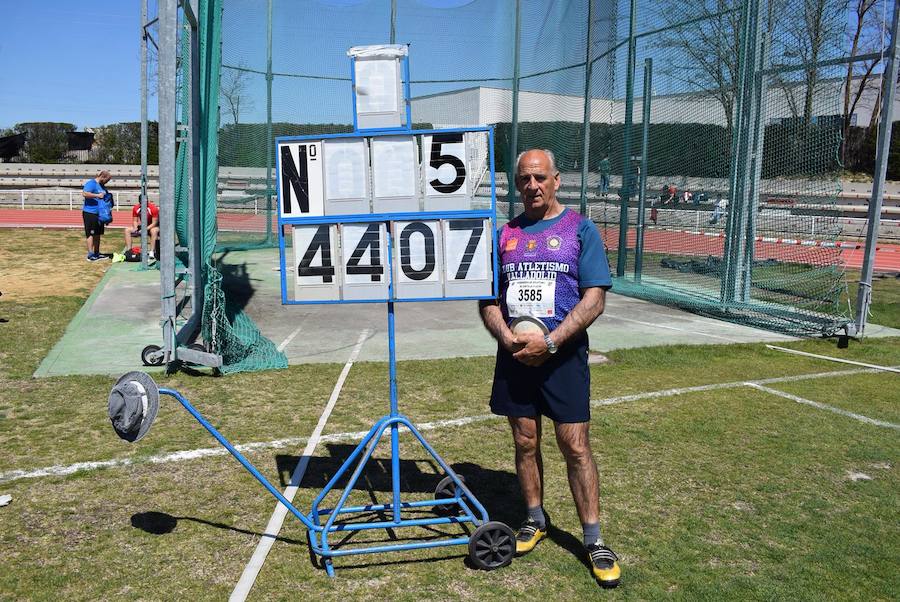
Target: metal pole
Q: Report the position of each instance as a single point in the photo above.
(269, 142)
(735, 225)
(514, 124)
(588, 68)
(144, 136)
(168, 39)
(888, 82)
(756, 158)
(625, 190)
(393, 21)
(195, 216)
(395, 442)
(642, 191)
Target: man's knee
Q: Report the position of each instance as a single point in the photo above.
(526, 436)
(574, 442)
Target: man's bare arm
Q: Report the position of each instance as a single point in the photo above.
(493, 320)
(592, 304)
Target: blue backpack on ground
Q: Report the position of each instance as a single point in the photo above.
(104, 209)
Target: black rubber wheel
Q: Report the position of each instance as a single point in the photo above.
(446, 489)
(492, 546)
(197, 347)
(147, 356)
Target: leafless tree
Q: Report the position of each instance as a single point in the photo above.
(864, 38)
(233, 89)
(704, 55)
(809, 32)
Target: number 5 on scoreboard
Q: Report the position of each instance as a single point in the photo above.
(446, 175)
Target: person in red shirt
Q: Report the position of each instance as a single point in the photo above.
(152, 227)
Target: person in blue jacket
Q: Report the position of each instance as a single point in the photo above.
(94, 193)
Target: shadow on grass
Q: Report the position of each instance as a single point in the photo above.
(497, 490)
(160, 523)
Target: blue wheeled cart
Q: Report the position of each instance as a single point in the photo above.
(384, 214)
(491, 544)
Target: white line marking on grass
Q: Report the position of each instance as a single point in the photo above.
(194, 454)
(823, 406)
(290, 338)
(248, 578)
(682, 390)
(704, 334)
(833, 359)
(179, 456)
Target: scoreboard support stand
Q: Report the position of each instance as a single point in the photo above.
(491, 545)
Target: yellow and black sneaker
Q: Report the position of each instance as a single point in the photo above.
(604, 565)
(529, 534)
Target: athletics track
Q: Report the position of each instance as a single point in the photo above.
(679, 242)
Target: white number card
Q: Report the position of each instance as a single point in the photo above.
(314, 254)
(300, 172)
(394, 174)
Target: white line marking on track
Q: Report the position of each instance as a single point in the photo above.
(193, 454)
(703, 334)
(290, 338)
(833, 359)
(823, 406)
(248, 577)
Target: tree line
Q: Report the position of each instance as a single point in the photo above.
(59, 142)
(792, 148)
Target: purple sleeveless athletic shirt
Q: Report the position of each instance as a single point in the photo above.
(551, 254)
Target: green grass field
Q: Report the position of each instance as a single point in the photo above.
(728, 492)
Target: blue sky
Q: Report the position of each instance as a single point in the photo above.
(69, 60)
(78, 61)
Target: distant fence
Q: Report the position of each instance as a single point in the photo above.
(243, 190)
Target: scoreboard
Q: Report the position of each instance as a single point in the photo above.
(386, 216)
(386, 213)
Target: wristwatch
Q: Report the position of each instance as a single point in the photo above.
(551, 346)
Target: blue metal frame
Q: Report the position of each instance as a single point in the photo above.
(319, 533)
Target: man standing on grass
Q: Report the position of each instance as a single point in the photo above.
(554, 268)
(94, 193)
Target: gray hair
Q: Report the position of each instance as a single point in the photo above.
(546, 151)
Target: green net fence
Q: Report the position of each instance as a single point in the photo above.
(226, 328)
(723, 203)
(741, 181)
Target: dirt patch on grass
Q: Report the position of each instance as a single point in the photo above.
(39, 262)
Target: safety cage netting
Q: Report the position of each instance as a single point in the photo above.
(715, 185)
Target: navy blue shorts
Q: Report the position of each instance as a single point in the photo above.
(560, 389)
(92, 224)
